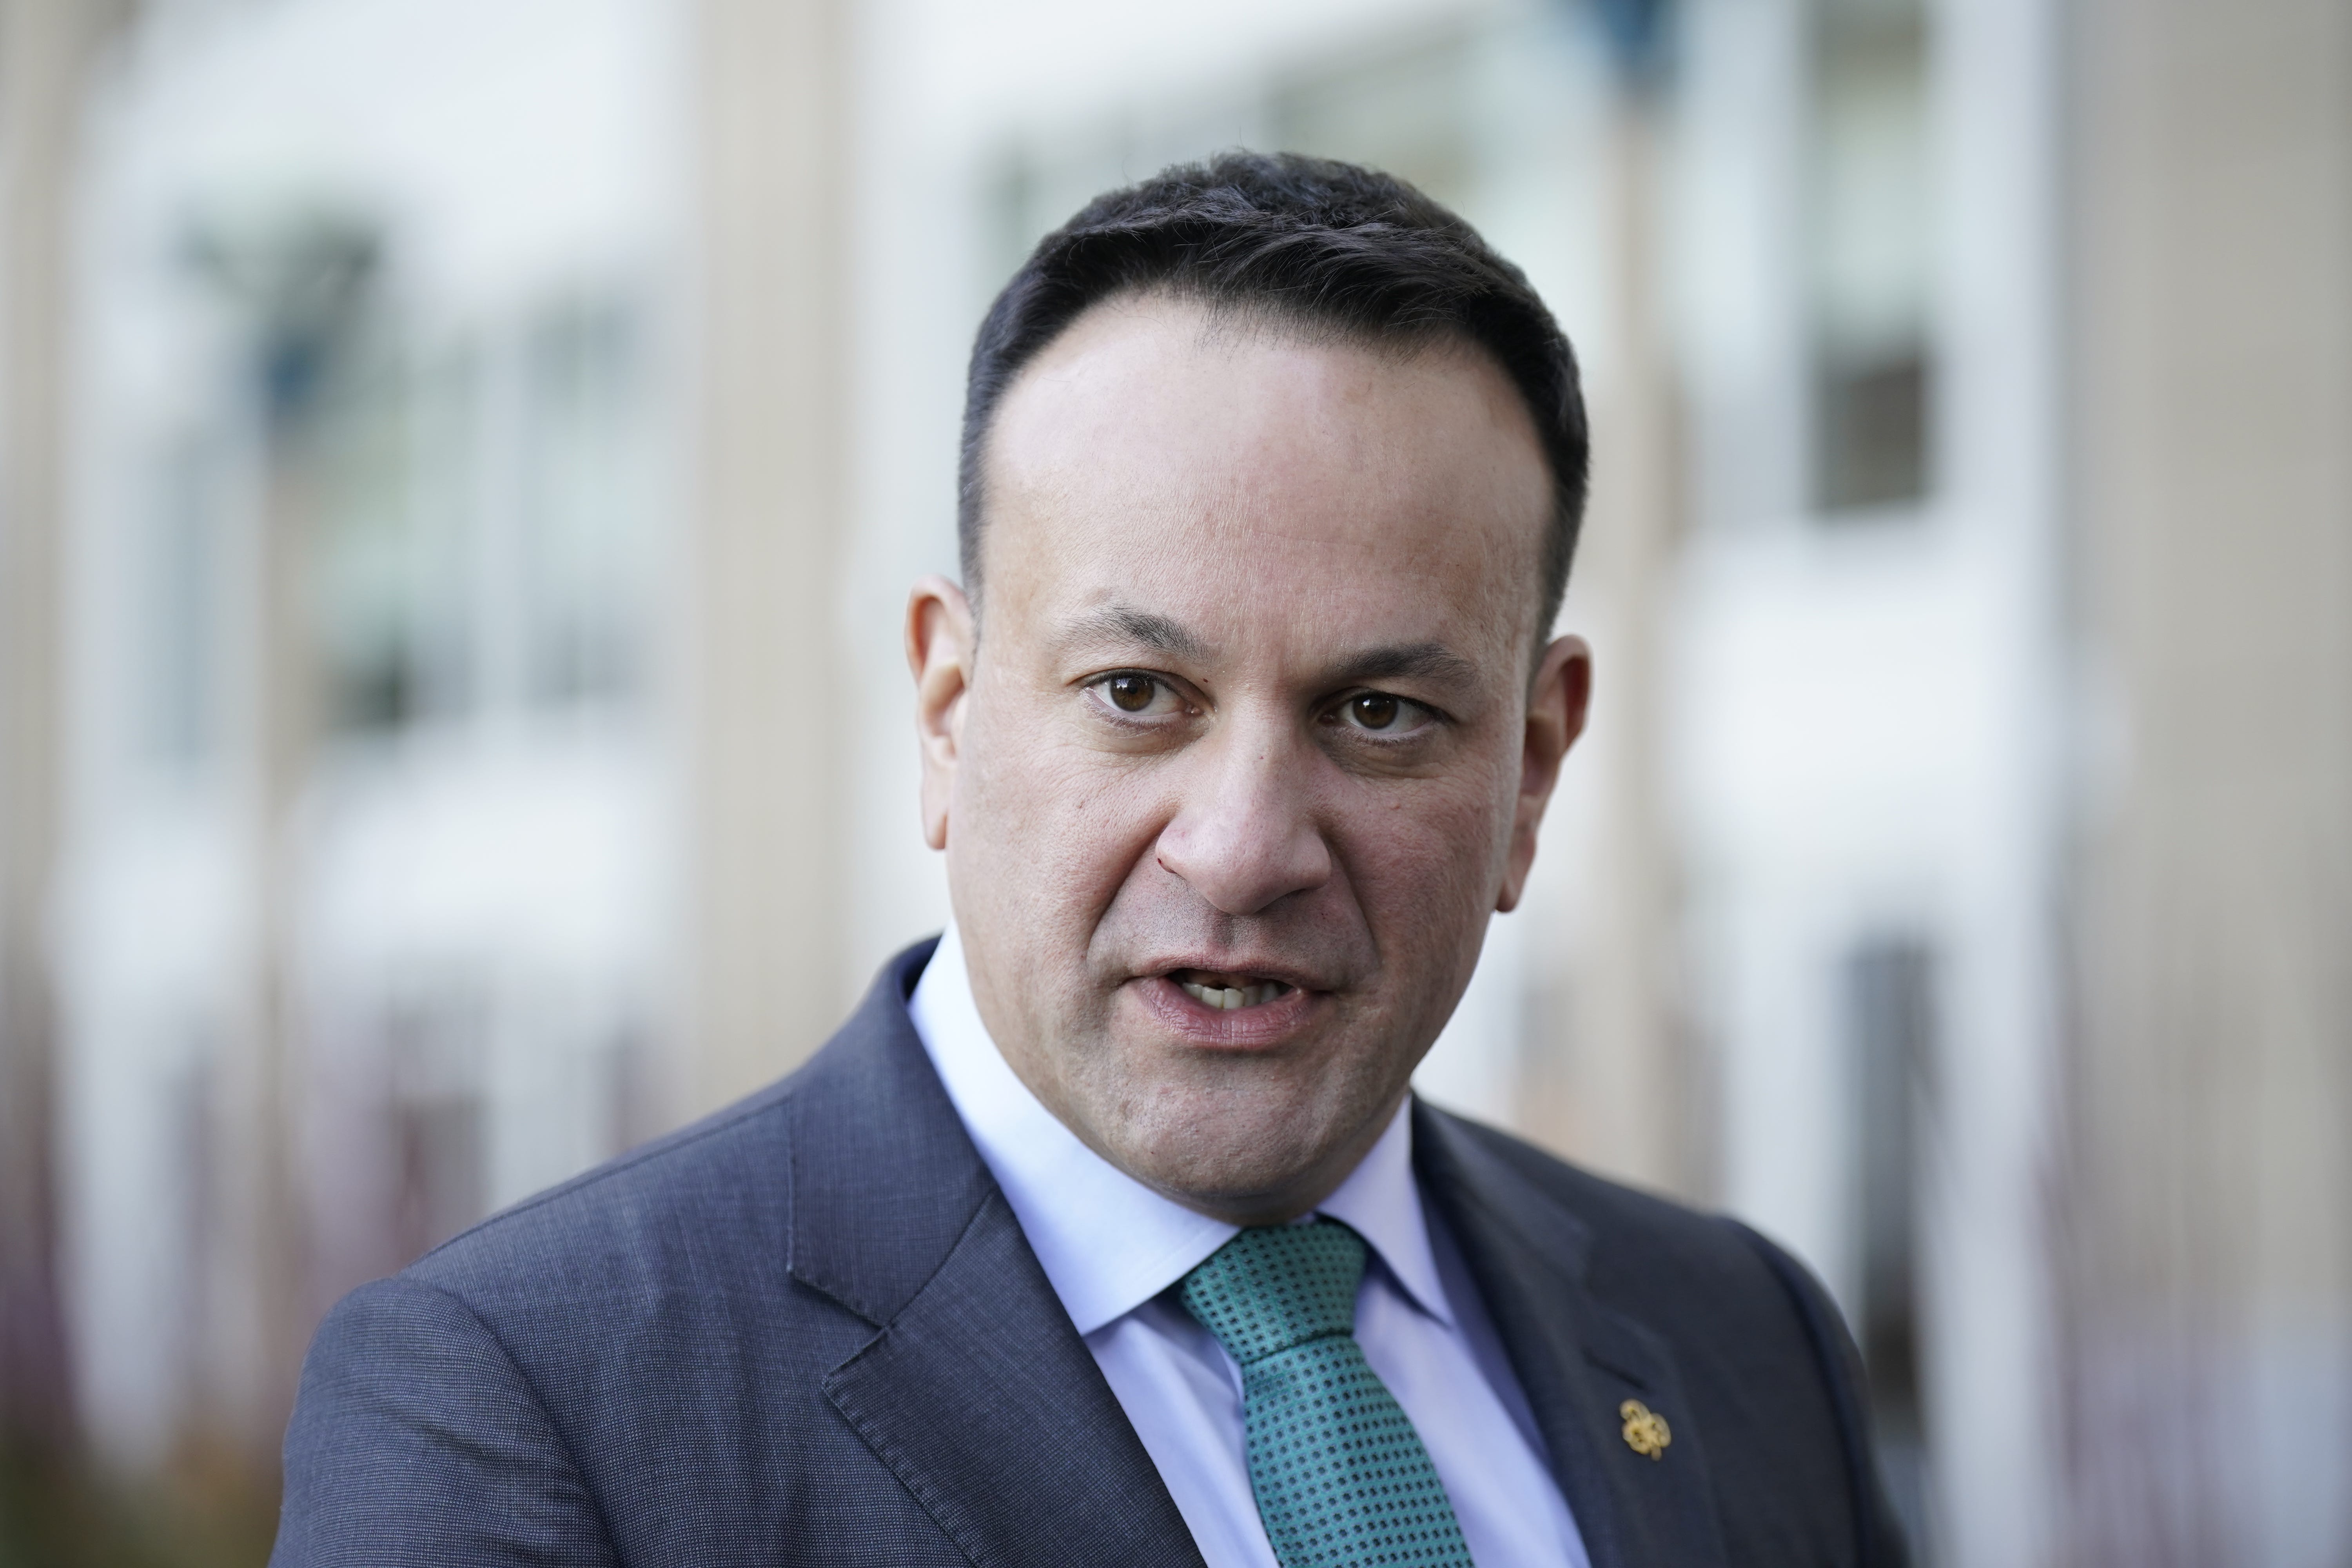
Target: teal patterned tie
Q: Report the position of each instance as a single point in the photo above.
(1340, 1475)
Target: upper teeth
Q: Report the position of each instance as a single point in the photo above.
(1233, 995)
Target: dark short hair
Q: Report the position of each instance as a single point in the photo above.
(1323, 244)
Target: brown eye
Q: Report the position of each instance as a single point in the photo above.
(1375, 710)
(1130, 693)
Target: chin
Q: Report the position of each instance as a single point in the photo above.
(1224, 1131)
(1215, 1159)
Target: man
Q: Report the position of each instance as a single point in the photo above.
(1108, 1230)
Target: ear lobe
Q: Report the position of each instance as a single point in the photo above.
(1557, 703)
(940, 657)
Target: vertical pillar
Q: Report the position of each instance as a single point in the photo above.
(1613, 1084)
(763, 683)
(46, 50)
(2207, 1254)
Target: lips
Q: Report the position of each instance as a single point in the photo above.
(1222, 1007)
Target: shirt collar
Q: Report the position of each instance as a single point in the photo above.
(1107, 1243)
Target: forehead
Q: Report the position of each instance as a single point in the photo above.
(1252, 470)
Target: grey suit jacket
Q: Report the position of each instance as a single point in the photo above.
(809, 1331)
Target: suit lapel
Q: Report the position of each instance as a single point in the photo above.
(985, 1401)
(1578, 1361)
(977, 1392)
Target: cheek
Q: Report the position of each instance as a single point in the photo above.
(1052, 830)
(1427, 861)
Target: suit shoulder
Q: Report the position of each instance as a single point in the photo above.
(1762, 1359)
(1643, 1245)
(707, 1215)
(1616, 1211)
(728, 1173)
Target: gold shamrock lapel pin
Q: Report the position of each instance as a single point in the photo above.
(1646, 1432)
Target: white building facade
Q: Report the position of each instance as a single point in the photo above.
(367, 895)
(380, 902)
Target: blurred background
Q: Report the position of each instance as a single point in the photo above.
(461, 462)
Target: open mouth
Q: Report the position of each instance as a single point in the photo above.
(1212, 988)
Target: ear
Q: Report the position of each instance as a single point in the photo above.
(1556, 709)
(939, 650)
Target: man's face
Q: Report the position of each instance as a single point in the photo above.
(1249, 746)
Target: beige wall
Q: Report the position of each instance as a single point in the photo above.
(769, 751)
(2204, 1247)
(1610, 1079)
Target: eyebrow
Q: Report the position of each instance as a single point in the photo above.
(1164, 635)
(1144, 628)
(1418, 661)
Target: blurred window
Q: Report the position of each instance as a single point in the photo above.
(181, 578)
(438, 1144)
(1038, 186)
(1890, 1004)
(396, 485)
(1403, 109)
(192, 1158)
(436, 1046)
(484, 514)
(1869, 254)
(585, 499)
(1401, 104)
(631, 1095)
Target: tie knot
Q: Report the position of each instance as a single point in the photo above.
(1276, 1286)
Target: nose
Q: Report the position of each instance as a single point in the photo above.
(1245, 834)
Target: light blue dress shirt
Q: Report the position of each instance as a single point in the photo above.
(1111, 1247)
